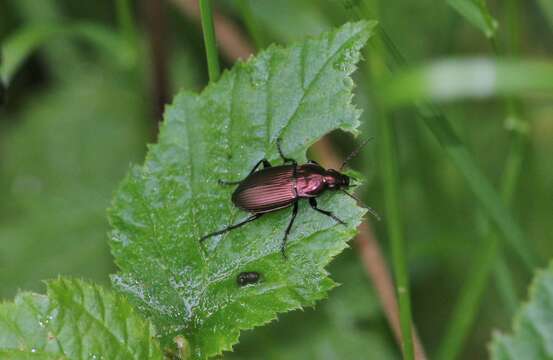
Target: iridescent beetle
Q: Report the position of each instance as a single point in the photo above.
(276, 187)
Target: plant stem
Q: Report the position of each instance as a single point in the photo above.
(375, 264)
(230, 38)
(505, 287)
(488, 197)
(126, 21)
(210, 42)
(155, 17)
(511, 176)
(490, 258)
(388, 163)
(471, 293)
(439, 125)
(485, 193)
(127, 32)
(389, 169)
(373, 260)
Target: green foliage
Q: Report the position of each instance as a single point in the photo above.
(20, 45)
(75, 320)
(162, 209)
(208, 29)
(60, 160)
(547, 10)
(64, 145)
(455, 79)
(348, 325)
(532, 337)
(476, 12)
(290, 20)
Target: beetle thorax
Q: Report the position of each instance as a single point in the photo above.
(311, 180)
(310, 185)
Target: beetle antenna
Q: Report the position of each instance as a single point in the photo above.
(355, 152)
(371, 210)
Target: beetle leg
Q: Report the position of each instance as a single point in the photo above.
(225, 182)
(283, 245)
(313, 203)
(231, 227)
(284, 158)
(265, 163)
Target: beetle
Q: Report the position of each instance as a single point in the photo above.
(247, 278)
(277, 187)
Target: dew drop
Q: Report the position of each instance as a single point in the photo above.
(256, 74)
(348, 82)
(345, 61)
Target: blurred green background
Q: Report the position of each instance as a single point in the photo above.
(79, 111)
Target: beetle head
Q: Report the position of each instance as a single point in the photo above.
(335, 179)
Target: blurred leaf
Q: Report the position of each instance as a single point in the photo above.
(162, 209)
(60, 56)
(476, 12)
(60, 160)
(547, 8)
(17, 48)
(454, 79)
(20, 45)
(488, 197)
(75, 320)
(532, 336)
(347, 325)
(290, 20)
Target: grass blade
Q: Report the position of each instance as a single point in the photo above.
(388, 163)
(20, 45)
(547, 9)
(209, 40)
(482, 188)
(476, 12)
(485, 193)
(455, 79)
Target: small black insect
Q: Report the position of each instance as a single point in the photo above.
(278, 187)
(248, 277)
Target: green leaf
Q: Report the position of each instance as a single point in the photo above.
(20, 45)
(348, 325)
(453, 79)
(60, 160)
(288, 19)
(476, 12)
(547, 10)
(75, 320)
(532, 337)
(162, 209)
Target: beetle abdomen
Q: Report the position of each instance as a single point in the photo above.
(266, 190)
